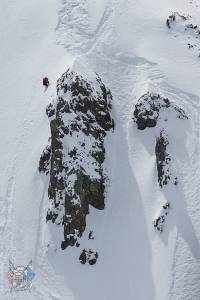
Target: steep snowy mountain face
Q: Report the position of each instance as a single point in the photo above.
(99, 172)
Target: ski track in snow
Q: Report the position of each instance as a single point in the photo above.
(75, 28)
(9, 249)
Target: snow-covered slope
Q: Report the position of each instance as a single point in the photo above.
(28, 53)
(129, 45)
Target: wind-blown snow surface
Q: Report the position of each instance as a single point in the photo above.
(129, 46)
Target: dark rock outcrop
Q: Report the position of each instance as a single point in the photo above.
(173, 18)
(162, 158)
(148, 109)
(88, 256)
(152, 110)
(44, 163)
(79, 119)
(158, 223)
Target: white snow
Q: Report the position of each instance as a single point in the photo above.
(129, 46)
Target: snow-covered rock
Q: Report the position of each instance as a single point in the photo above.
(44, 163)
(80, 118)
(149, 107)
(88, 256)
(186, 28)
(158, 223)
(163, 158)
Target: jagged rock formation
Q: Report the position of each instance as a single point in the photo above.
(149, 110)
(150, 106)
(158, 223)
(181, 24)
(88, 256)
(174, 17)
(162, 158)
(91, 236)
(44, 163)
(80, 119)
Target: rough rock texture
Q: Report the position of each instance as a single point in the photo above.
(149, 107)
(162, 158)
(88, 256)
(158, 223)
(171, 20)
(44, 163)
(80, 119)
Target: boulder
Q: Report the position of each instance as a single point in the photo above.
(149, 107)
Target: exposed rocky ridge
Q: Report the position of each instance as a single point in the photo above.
(162, 158)
(165, 175)
(44, 163)
(80, 119)
(158, 223)
(149, 108)
(174, 17)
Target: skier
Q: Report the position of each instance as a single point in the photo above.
(46, 82)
